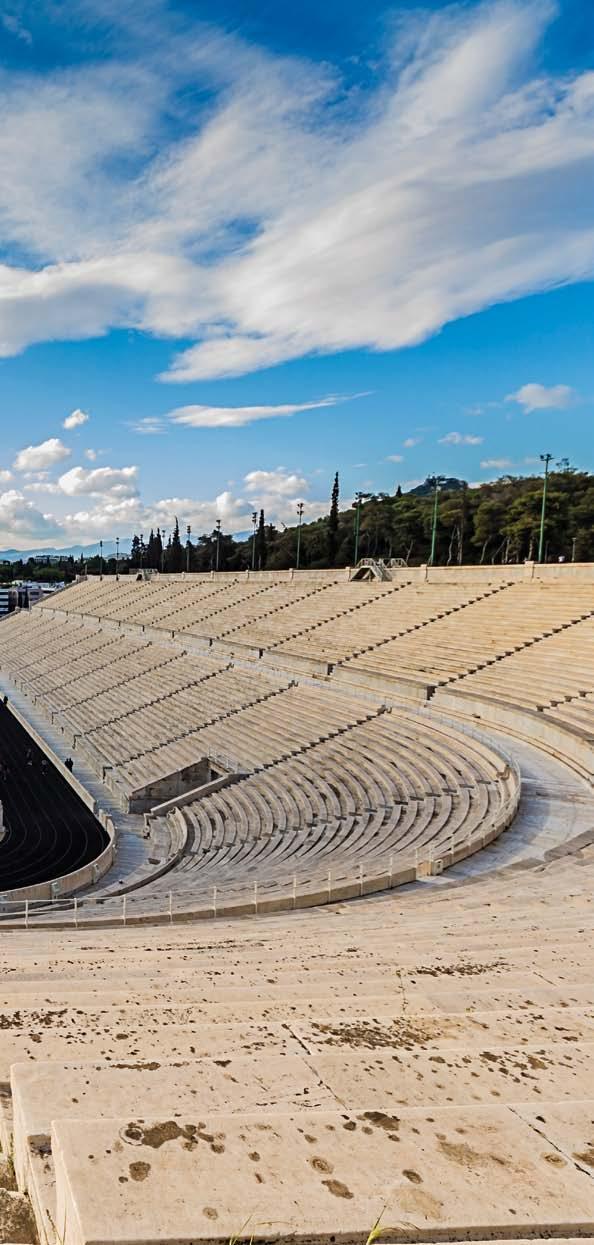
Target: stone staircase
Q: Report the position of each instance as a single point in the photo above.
(428, 1063)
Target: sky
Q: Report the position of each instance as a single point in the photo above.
(245, 245)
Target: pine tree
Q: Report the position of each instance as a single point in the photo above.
(261, 544)
(333, 522)
(135, 551)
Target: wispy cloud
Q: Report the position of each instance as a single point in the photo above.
(14, 26)
(150, 426)
(237, 416)
(245, 226)
(460, 438)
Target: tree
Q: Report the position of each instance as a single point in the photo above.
(261, 544)
(176, 553)
(158, 550)
(152, 559)
(333, 522)
(135, 551)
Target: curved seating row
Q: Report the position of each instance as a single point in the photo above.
(380, 795)
(555, 671)
(490, 629)
(378, 621)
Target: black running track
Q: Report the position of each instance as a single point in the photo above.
(49, 831)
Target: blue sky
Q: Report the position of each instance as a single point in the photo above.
(243, 246)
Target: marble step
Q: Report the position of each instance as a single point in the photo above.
(459, 1172)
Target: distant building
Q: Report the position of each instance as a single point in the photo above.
(8, 600)
(24, 593)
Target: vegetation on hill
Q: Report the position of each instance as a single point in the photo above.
(494, 523)
(497, 522)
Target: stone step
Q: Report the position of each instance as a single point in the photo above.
(134, 1033)
(228, 1005)
(458, 1172)
(458, 953)
(466, 1076)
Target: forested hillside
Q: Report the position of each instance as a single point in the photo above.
(497, 522)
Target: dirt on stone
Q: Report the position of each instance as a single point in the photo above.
(337, 1188)
(457, 970)
(139, 1171)
(586, 1156)
(16, 1219)
(373, 1036)
(389, 1123)
(155, 1135)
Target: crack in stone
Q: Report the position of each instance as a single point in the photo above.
(540, 1132)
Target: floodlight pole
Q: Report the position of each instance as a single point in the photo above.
(437, 481)
(254, 521)
(357, 507)
(545, 458)
(218, 527)
(188, 547)
(117, 543)
(300, 509)
(100, 559)
(163, 541)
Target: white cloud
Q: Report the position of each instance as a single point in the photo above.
(432, 195)
(38, 457)
(277, 483)
(460, 438)
(21, 521)
(395, 458)
(76, 419)
(99, 482)
(41, 485)
(5, 475)
(535, 397)
(114, 506)
(500, 463)
(410, 442)
(91, 455)
(237, 416)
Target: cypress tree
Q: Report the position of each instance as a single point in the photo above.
(176, 559)
(261, 546)
(158, 550)
(151, 552)
(333, 521)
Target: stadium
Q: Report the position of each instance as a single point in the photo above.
(296, 875)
